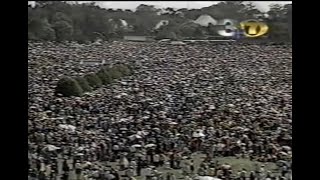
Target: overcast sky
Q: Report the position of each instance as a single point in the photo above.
(262, 5)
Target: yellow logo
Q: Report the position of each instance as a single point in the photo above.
(253, 28)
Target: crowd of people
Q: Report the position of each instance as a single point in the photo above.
(182, 101)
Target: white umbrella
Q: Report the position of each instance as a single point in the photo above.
(198, 134)
(123, 94)
(80, 148)
(72, 128)
(135, 136)
(136, 146)
(172, 123)
(150, 145)
(212, 107)
(52, 147)
(62, 126)
(67, 127)
(142, 133)
(287, 148)
(206, 178)
(283, 153)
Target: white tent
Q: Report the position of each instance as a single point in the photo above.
(206, 178)
(205, 20)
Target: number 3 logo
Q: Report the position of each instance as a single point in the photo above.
(229, 27)
(251, 28)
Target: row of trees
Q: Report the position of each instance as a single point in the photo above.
(68, 86)
(57, 20)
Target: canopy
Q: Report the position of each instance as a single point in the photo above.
(206, 178)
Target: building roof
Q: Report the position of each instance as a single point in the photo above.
(204, 20)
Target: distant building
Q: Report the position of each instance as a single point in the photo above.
(138, 38)
(161, 23)
(92, 62)
(120, 23)
(205, 20)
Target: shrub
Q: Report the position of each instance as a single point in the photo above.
(83, 84)
(68, 87)
(124, 69)
(114, 72)
(93, 80)
(104, 76)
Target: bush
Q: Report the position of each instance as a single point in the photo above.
(93, 80)
(68, 87)
(114, 72)
(125, 70)
(104, 76)
(83, 84)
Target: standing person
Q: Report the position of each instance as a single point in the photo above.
(252, 176)
(163, 159)
(124, 163)
(284, 170)
(42, 175)
(139, 166)
(129, 172)
(78, 168)
(65, 168)
(173, 177)
(192, 169)
(243, 174)
(156, 158)
(150, 154)
(178, 160)
(172, 160)
(116, 174)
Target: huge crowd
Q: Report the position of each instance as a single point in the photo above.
(182, 101)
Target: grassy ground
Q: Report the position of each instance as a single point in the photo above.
(237, 164)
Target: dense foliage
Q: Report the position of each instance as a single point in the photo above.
(56, 20)
(68, 86)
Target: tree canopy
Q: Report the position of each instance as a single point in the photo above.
(63, 20)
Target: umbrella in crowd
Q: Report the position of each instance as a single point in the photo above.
(51, 147)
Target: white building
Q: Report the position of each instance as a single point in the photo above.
(205, 20)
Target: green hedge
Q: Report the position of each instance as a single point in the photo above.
(67, 86)
(76, 87)
(93, 80)
(83, 84)
(104, 76)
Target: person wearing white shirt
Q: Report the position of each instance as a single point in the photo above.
(156, 160)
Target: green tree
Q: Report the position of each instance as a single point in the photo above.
(84, 84)
(93, 80)
(67, 86)
(63, 30)
(59, 16)
(198, 33)
(279, 22)
(46, 31)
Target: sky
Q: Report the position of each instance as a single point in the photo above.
(261, 5)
